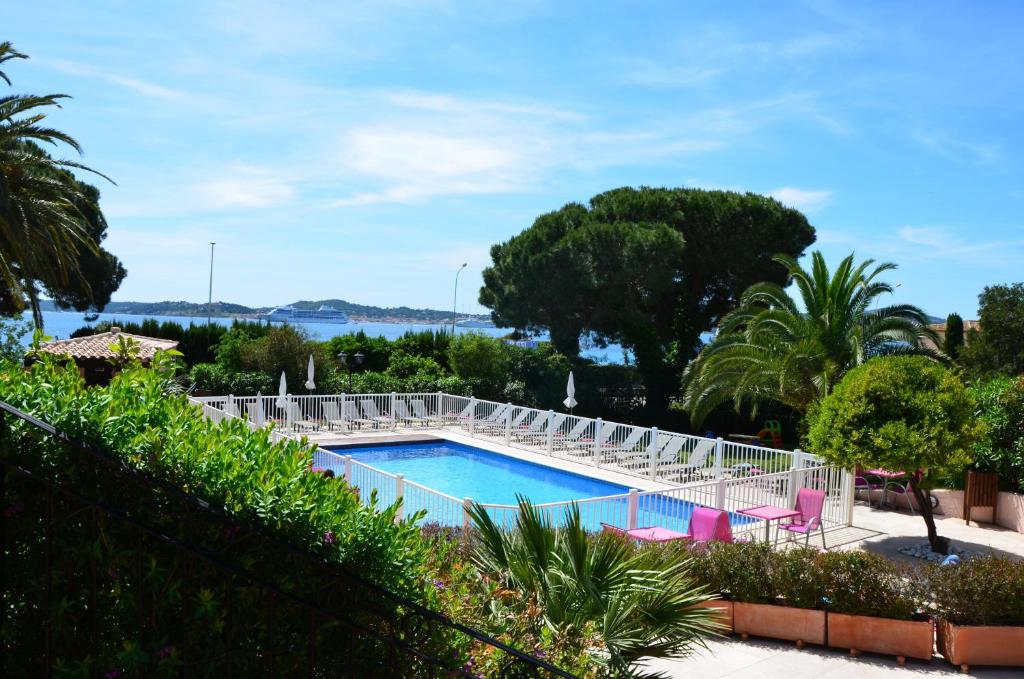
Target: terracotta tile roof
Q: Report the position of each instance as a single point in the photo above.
(98, 346)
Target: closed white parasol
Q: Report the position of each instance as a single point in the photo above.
(309, 374)
(570, 390)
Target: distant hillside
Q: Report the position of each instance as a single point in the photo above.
(357, 312)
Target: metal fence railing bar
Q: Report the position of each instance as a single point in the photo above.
(703, 471)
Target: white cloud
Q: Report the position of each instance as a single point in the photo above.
(244, 187)
(139, 86)
(945, 144)
(807, 200)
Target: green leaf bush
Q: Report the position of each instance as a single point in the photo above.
(861, 583)
(984, 590)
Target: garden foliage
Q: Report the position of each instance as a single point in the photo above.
(902, 413)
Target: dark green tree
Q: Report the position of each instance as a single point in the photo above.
(953, 342)
(998, 348)
(648, 268)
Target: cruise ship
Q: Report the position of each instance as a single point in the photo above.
(289, 314)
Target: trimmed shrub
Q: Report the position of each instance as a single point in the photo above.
(861, 583)
(980, 591)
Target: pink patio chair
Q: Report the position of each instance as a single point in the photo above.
(708, 525)
(809, 503)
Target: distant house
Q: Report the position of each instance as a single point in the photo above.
(93, 354)
(940, 330)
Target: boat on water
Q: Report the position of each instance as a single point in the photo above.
(289, 314)
(474, 323)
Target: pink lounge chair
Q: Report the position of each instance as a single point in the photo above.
(809, 503)
(708, 525)
(648, 534)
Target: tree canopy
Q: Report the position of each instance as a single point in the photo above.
(998, 348)
(50, 222)
(649, 268)
(771, 349)
(901, 413)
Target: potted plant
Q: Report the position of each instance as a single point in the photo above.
(876, 605)
(777, 594)
(980, 608)
(710, 566)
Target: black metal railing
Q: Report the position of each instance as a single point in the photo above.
(107, 571)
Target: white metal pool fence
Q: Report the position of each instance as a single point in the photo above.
(710, 472)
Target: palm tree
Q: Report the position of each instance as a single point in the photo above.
(640, 602)
(42, 230)
(769, 349)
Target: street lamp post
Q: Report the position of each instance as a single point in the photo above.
(209, 298)
(357, 359)
(455, 297)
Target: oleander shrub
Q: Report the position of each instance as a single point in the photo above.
(983, 590)
(861, 583)
(796, 577)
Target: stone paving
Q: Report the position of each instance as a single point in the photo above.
(875, 530)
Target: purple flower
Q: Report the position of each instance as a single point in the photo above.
(330, 538)
(16, 508)
(438, 584)
(165, 651)
(112, 674)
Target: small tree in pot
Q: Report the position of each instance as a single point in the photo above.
(901, 413)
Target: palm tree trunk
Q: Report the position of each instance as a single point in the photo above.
(37, 312)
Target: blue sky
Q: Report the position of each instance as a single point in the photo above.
(365, 150)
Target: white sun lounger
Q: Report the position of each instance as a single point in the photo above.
(574, 437)
(298, 421)
(419, 409)
(694, 465)
(624, 452)
(371, 413)
(403, 414)
(495, 422)
(556, 423)
(333, 417)
(586, 446)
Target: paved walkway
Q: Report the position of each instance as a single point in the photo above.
(879, 531)
(765, 659)
(885, 531)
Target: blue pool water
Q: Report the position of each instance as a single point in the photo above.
(464, 471)
(490, 478)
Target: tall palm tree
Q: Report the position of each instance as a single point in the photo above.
(641, 602)
(42, 231)
(771, 349)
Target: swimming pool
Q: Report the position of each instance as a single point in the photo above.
(464, 471)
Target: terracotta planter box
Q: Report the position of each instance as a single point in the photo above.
(901, 638)
(724, 618)
(804, 626)
(967, 645)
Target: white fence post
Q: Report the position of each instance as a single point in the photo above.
(438, 403)
(720, 497)
(719, 454)
(598, 424)
(467, 503)
(472, 414)
(508, 424)
(551, 434)
(344, 413)
(399, 495)
(348, 469)
(652, 453)
(631, 508)
(391, 409)
(288, 412)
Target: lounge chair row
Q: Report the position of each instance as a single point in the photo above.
(353, 414)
